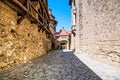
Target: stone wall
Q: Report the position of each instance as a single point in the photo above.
(100, 30)
(19, 43)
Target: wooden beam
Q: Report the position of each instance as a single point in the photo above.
(29, 13)
(45, 12)
(39, 28)
(45, 8)
(19, 4)
(33, 22)
(21, 13)
(22, 1)
(21, 19)
(40, 17)
(22, 10)
(12, 5)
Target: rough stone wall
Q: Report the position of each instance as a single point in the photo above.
(72, 44)
(19, 43)
(100, 30)
(79, 20)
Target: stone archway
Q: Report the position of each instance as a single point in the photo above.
(63, 44)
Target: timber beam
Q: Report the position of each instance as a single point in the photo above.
(12, 5)
(21, 19)
(23, 11)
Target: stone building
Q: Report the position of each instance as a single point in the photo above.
(24, 31)
(52, 27)
(97, 27)
(64, 38)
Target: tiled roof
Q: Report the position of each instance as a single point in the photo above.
(64, 33)
(70, 31)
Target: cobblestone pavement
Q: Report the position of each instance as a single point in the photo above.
(57, 65)
(106, 72)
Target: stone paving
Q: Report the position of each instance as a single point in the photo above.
(57, 65)
(106, 72)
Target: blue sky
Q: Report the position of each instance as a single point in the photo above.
(61, 11)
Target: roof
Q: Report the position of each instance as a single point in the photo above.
(64, 33)
(69, 31)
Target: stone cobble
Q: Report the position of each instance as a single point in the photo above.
(57, 65)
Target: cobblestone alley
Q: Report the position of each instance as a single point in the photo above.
(57, 65)
(59, 40)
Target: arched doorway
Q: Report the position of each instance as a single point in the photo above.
(63, 44)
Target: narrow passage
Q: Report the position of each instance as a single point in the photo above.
(56, 65)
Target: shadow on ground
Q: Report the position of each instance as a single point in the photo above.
(57, 65)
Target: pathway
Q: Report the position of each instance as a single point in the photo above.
(56, 65)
